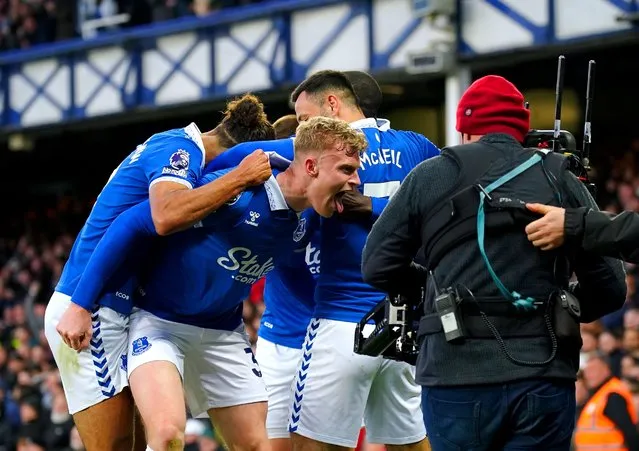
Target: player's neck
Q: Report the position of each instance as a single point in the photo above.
(212, 146)
(293, 187)
(351, 115)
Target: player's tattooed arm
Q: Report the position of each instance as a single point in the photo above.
(174, 207)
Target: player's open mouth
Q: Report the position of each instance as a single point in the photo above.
(339, 206)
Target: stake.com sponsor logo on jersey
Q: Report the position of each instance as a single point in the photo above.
(246, 264)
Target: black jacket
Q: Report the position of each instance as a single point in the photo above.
(604, 234)
(396, 237)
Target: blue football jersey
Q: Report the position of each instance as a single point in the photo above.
(175, 155)
(201, 276)
(289, 292)
(290, 288)
(341, 294)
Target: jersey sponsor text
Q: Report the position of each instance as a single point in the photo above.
(312, 259)
(249, 270)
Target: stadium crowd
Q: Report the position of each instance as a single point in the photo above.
(33, 410)
(616, 336)
(25, 23)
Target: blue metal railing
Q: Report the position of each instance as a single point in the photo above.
(60, 82)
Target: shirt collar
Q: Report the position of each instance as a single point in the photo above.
(383, 124)
(195, 134)
(275, 196)
(367, 122)
(370, 122)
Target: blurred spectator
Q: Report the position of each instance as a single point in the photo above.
(609, 418)
(589, 345)
(616, 336)
(631, 342)
(59, 429)
(33, 410)
(169, 9)
(66, 12)
(198, 436)
(610, 344)
(75, 442)
(25, 23)
(615, 320)
(581, 392)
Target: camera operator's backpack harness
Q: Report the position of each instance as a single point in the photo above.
(462, 217)
(518, 301)
(516, 298)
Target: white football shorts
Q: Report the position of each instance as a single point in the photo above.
(98, 372)
(335, 389)
(220, 370)
(279, 365)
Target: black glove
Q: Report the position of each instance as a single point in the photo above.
(356, 205)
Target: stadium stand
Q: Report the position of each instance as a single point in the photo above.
(25, 23)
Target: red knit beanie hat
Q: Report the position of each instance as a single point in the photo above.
(492, 104)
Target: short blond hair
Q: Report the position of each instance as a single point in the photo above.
(320, 133)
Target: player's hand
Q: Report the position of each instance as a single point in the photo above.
(75, 327)
(255, 168)
(356, 205)
(548, 231)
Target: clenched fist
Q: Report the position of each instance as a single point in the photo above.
(255, 168)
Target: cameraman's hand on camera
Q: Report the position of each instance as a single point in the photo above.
(356, 205)
(547, 232)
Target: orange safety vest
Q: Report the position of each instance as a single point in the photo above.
(595, 432)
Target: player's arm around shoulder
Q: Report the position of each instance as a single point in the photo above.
(177, 205)
(229, 212)
(234, 156)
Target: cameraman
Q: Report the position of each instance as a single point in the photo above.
(510, 383)
(596, 231)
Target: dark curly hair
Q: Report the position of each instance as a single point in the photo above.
(244, 120)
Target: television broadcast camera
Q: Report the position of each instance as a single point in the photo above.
(394, 336)
(395, 320)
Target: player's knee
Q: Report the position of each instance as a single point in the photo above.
(167, 436)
